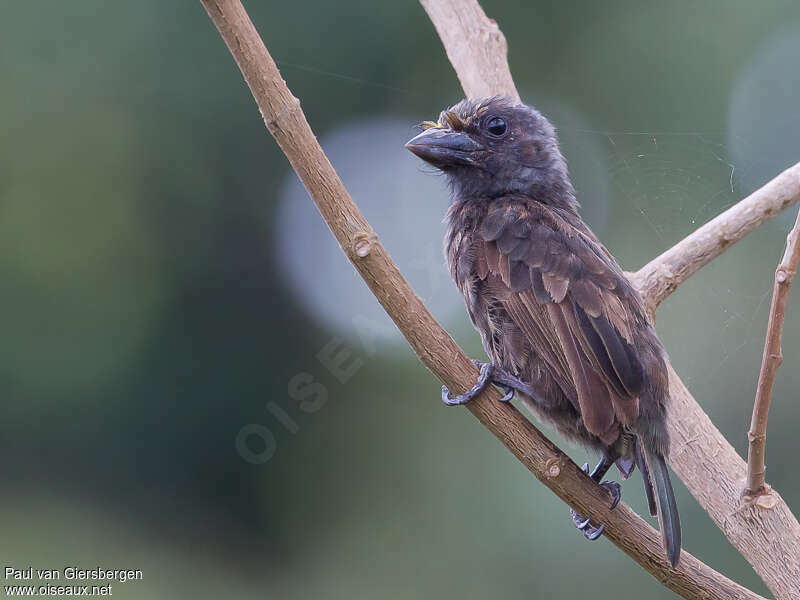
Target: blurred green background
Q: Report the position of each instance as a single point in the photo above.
(169, 296)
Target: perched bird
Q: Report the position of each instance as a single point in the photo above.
(557, 317)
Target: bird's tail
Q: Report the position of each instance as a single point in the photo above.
(641, 464)
(668, 520)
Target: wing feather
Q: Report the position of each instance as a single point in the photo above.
(569, 298)
(593, 397)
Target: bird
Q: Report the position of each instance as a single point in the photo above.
(562, 325)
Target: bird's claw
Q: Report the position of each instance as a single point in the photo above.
(582, 523)
(509, 392)
(489, 374)
(592, 533)
(615, 490)
(579, 520)
(480, 385)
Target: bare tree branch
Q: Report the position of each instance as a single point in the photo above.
(435, 348)
(662, 275)
(773, 356)
(767, 536)
(475, 58)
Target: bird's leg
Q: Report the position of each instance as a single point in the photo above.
(581, 522)
(489, 374)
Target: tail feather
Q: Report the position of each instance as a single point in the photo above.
(648, 484)
(668, 519)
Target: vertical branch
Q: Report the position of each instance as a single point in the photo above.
(773, 356)
(476, 65)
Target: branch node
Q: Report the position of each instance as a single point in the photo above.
(552, 467)
(783, 274)
(764, 497)
(289, 109)
(362, 243)
(766, 500)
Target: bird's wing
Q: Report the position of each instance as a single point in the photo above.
(573, 303)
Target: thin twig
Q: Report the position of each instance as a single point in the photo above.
(436, 349)
(701, 456)
(773, 356)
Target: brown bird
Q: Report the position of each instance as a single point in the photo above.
(558, 318)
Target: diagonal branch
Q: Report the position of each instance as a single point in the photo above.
(769, 536)
(435, 348)
(757, 436)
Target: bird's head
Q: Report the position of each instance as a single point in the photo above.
(494, 147)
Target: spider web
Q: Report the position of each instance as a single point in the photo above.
(674, 182)
(663, 185)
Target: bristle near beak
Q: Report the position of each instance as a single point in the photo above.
(425, 125)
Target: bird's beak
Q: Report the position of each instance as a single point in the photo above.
(444, 147)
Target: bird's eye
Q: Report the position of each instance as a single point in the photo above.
(496, 127)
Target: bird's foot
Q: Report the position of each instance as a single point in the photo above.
(489, 374)
(583, 523)
(480, 385)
